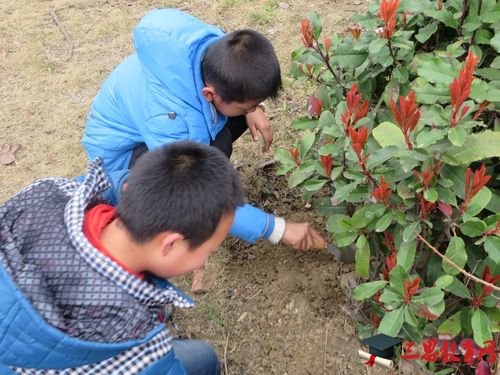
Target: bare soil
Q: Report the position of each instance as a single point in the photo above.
(269, 310)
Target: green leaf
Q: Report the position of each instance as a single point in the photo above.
(437, 309)
(342, 192)
(427, 138)
(315, 23)
(490, 11)
(436, 70)
(401, 74)
(495, 41)
(392, 322)
(283, 156)
(339, 223)
(456, 253)
(496, 63)
(443, 15)
(362, 257)
(429, 296)
(479, 202)
(388, 134)
(381, 155)
(376, 45)
(408, 233)
(451, 326)
(443, 281)
(396, 279)
(314, 185)
(304, 123)
(457, 136)
(346, 57)
(406, 254)
(492, 247)
(384, 222)
(345, 239)
(367, 290)
(481, 327)
(426, 32)
(458, 289)
(326, 119)
(390, 297)
(307, 141)
(473, 228)
(428, 94)
(478, 146)
(431, 195)
(302, 173)
(365, 215)
(410, 317)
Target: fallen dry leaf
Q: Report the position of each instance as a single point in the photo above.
(197, 284)
(8, 154)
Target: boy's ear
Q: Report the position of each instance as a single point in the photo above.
(208, 93)
(169, 240)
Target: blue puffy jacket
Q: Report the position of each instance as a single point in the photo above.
(154, 97)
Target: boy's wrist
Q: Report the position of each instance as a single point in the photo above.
(278, 230)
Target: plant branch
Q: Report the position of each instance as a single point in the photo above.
(63, 31)
(454, 265)
(464, 13)
(480, 4)
(391, 50)
(327, 63)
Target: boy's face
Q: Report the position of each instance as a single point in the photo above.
(181, 258)
(234, 109)
(231, 109)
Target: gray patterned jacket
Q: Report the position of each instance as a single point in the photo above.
(73, 286)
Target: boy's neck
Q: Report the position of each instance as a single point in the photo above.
(117, 241)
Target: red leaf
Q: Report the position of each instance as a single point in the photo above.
(424, 312)
(483, 368)
(445, 208)
(314, 108)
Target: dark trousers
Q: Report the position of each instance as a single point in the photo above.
(233, 129)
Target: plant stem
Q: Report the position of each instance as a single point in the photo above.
(391, 50)
(480, 4)
(464, 13)
(454, 265)
(327, 63)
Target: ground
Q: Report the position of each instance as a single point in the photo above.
(269, 310)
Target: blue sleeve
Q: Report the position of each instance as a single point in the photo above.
(160, 130)
(251, 224)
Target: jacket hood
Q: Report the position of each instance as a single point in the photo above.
(170, 45)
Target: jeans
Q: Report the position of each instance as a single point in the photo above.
(197, 357)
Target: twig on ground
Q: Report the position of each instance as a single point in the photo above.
(71, 47)
(225, 354)
(96, 21)
(327, 326)
(454, 265)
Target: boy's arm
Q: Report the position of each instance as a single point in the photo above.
(258, 123)
(250, 223)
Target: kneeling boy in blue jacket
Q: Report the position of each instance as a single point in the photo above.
(83, 283)
(189, 81)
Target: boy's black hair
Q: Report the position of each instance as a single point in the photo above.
(183, 187)
(242, 66)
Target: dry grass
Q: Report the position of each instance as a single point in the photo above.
(45, 97)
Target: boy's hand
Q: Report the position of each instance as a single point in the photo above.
(257, 122)
(301, 236)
